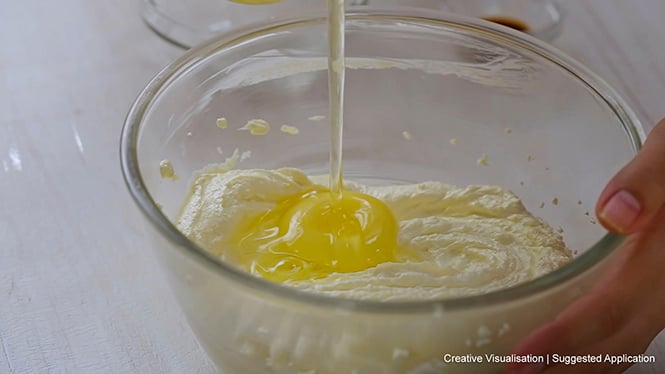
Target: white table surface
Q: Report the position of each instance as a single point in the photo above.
(79, 291)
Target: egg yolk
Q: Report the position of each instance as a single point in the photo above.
(316, 233)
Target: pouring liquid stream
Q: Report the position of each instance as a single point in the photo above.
(321, 231)
(336, 72)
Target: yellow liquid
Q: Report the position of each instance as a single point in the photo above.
(321, 232)
(314, 234)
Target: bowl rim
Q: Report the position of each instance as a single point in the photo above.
(141, 196)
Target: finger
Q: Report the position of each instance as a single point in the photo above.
(637, 192)
(581, 324)
(636, 272)
(628, 297)
(590, 319)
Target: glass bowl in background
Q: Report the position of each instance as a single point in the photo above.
(540, 18)
(548, 129)
(187, 23)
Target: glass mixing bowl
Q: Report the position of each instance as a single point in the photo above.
(548, 129)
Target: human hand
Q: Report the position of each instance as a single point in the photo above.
(625, 310)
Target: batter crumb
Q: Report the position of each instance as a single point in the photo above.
(483, 342)
(505, 328)
(579, 202)
(222, 123)
(555, 201)
(228, 164)
(189, 133)
(406, 135)
(484, 332)
(542, 204)
(482, 161)
(291, 130)
(166, 170)
(453, 141)
(484, 336)
(256, 127)
(220, 151)
(529, 158)
(521, 183)
(508, 131)
(399, 353)
(316, 118)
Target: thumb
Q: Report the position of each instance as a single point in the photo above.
(637, 192)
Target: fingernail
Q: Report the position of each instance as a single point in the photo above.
(529, 368)
(621, 211)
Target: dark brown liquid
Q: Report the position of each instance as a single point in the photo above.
(513, 23)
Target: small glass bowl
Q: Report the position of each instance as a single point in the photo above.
(540, 18)
(439, 77)
(187, 23)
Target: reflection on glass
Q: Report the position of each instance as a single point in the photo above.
(15, 158)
